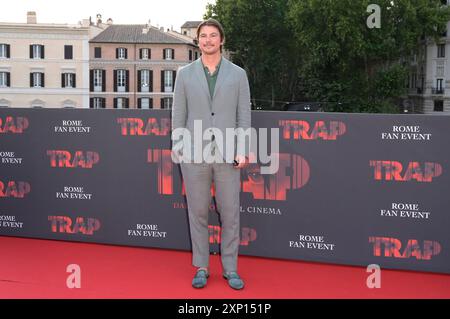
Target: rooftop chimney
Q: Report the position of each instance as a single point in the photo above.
(31, 17)
(85, 23)
(99, 19)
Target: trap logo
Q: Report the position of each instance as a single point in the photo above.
(14, 189)
(396, 171)
(247, 235)
(136, 126)
(82, 225)
(15, 125)
(394, 248)
(293, 174)
(62, 158)
(303, 130)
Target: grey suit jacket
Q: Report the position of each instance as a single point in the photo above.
(228, 108)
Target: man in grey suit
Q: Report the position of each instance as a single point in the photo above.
(212, 97)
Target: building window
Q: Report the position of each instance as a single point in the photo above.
(98, 103)
(68, 104)
(68, 52)
(414, 80)
(439, 83)
(37, 103)
(68, 80)
(5, 79)
(98, 52)
(4, 103)
(145, 80)
(166, 103)
(121, 103)
(145, 103)
(121, 80)
(37, 80)
(441, 51)
(196, 55)
(190, 55)
(98, 80)
(121, 54)
(168, 81)
(4, 51)
(36, 51)
(169, 54)
(144, 54)
(438, 105)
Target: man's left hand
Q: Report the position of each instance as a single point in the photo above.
(241, 160)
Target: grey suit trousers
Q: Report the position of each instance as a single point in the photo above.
(197, 180)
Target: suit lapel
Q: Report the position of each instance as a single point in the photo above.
(223, 73)
(201, 76)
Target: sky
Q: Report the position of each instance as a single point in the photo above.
(164, 13)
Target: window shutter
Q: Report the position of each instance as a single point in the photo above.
(117, 53)
(150, 103)
(127, 81)
(8, 79)
(140, 54)
(68, 52)
(164, 54)
(115, 103)
(31, 80)
(173, 54)
(43, 79)
(103, 101)
(91, 80)
(151, 81)
(115, 80)
(103, 80)
(97, 52)
(42, 52)
(31, 51)
(62, 80)
(127, 103)
(74, 80)
(190, 55)
(126, 54)
(162, 81)
(149, 53)
(91, 103)
(162, 103)
(139, 103)
(174, 75)
(139, 81)
(8, 51)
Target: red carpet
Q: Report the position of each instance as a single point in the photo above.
(32, 268)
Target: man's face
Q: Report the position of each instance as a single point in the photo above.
(209, 40)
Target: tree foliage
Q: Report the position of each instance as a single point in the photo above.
(323, 50)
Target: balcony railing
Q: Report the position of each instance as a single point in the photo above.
(437, 91)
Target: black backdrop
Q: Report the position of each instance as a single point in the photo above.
(354, 189)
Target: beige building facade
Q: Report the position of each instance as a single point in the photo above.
(429, 77)
(135, 66)
(44, 65)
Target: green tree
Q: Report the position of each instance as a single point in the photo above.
(353, 67)
(260, 41)
(323, 50)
